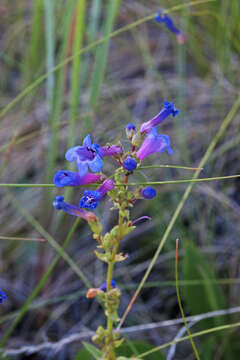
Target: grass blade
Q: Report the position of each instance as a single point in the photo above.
(181, 307)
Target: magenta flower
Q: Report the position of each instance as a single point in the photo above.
(86, 156)
(168, 109)
(68, 178)
(91, 198)
(111, 150)
(154, 143)
(60, 204)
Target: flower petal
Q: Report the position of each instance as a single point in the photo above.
(87, 141)
(96, 164)
(82, 167)
(71, 154)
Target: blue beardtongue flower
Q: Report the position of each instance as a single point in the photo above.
(154, 143)
(168, 109)
(86, 156)
(60, 204)
(68, 178)
(91, 198)
(168, 22)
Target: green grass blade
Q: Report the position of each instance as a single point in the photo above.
(50, 45)
(94, 19)
(133, 184)
(34, 57)
(57, 104)
(77, 45)
(102, 52)
(197, 334)
(181, 307)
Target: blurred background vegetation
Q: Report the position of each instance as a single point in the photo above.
(124, 79)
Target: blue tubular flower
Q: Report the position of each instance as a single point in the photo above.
(91, 198)
(154, 143)
(106, 186)
(2, 296)
(164, 18)
(130, 164)
(68, 178)
(148, 192)
(111, 150)
(168, 109)
(103, 287)
(60, 204)
(86, 156)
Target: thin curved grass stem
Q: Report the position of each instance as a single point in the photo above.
(181, 307)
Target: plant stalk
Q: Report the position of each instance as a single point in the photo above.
(109, 341)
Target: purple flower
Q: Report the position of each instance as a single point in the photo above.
(106, 186)
(154, 143)
(164, 18)
(130, 128)
(148, 192)
(103, 287)
(59, 204)
(130, 164)
(2, 296)
(91, 198)
(67, 178)
(86, 156)
(168, 109)
(111, 150)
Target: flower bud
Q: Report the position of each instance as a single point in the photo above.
(92, 293)
(130, 129)
(130, 164)
(148, 192)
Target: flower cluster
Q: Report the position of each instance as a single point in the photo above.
(89, 159)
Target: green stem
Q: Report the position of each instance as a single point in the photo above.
(109, 340)
(135, 183)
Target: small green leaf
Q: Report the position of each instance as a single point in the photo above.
(97, 354)
(131, 350)
(101, 256)
(207, 349)
(82, 354)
